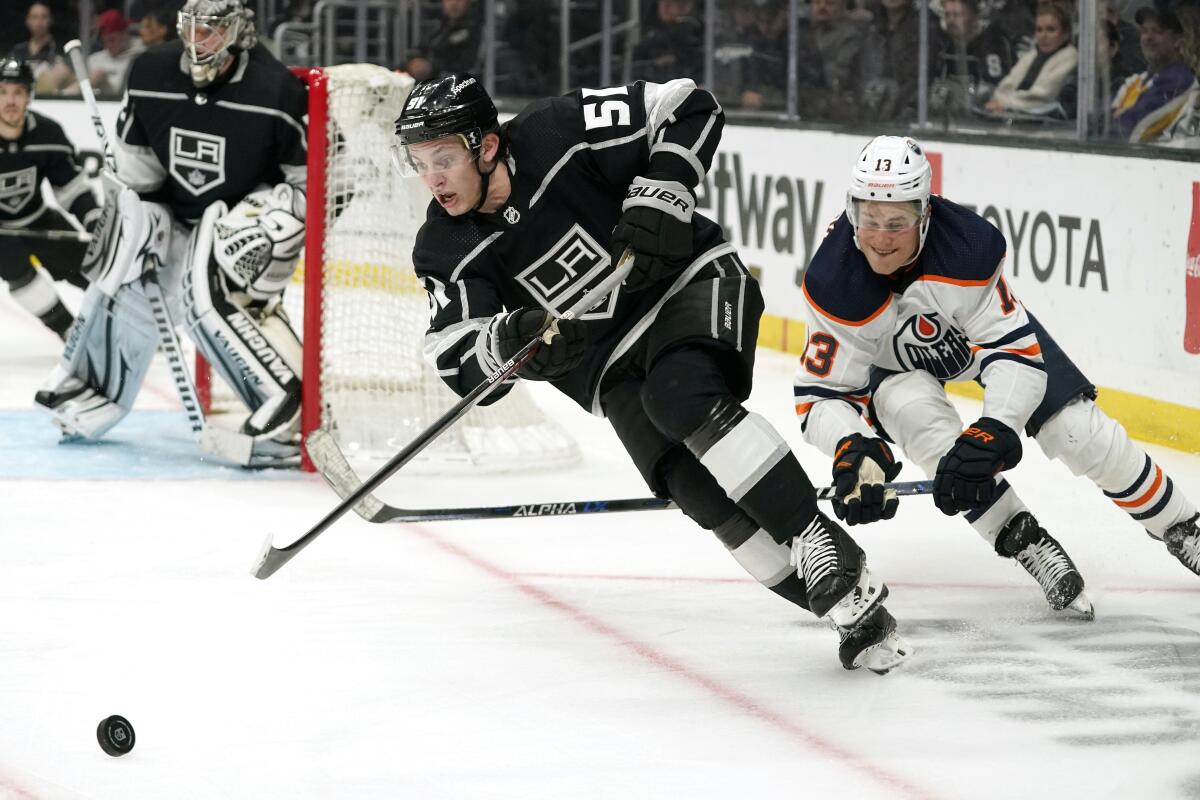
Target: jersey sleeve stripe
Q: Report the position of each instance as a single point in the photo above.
(1034, 349)
(1009, 338)
(271, 112)
(479, 248)
(822, 392)
(838, 319)
(954, 281)
(1004, 356)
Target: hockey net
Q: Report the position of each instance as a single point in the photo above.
(362, 311)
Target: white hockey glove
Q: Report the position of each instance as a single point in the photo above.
(257, 242)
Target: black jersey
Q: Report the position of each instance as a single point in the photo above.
(571, 160)
(42, 151)
(189, 147)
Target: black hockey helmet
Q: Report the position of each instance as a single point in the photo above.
(439, 107)
(14, 70)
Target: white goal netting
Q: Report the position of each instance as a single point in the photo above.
(375, 390)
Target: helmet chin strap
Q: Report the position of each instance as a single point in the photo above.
(487, 180)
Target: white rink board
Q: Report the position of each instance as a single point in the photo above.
(1126, 219)
(1121, 319)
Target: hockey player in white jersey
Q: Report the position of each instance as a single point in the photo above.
(211, 152)
(907, 292)
(528, 216)
(33, 150)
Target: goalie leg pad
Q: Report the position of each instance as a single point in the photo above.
(914, 410)
(108, 351)
(1092, 443)
(253, 348)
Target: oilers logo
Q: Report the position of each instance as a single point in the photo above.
(927, 343)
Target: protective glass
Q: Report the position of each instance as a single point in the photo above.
(433, 158)
(896, 217)
(205, 38)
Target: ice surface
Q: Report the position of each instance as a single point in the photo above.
(623, 657)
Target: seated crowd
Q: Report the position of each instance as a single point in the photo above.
(1010, 62)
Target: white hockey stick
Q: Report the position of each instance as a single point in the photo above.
(53, 235)
(272, 558)
(226, 444)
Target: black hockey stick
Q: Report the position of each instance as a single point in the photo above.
(231, 445)
(331, 462)
(272, 558)
(53, 235)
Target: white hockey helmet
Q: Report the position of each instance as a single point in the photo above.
(213, 32)
(891, 169)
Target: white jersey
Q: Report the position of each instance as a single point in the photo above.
(950, 314)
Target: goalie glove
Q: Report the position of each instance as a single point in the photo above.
(656, 224)
(861, 465)
(509, 333)
(257, 242)
(965, 477)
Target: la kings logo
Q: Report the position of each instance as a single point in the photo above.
(573, 265)
(927, 343)
(17, 189)
(197, 160)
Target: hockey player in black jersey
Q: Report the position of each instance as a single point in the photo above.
(529, 215)
(33, 149)
(211, 151)
(906, 292)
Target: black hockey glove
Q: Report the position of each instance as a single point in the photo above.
(656, 223)
(861, 465)
(965, 478)
(512, 331)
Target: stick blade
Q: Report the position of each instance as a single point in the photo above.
(269, 560)
(331, 462)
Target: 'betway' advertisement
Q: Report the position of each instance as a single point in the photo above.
(1098, 245)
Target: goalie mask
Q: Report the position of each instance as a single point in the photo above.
(891, 169)
(213, 33)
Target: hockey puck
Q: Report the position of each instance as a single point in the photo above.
(115, 735)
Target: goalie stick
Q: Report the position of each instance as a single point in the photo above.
(226, 444)
(272, 558)
(331, 462)
(52, 235)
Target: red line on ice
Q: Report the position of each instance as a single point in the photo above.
(729, 695)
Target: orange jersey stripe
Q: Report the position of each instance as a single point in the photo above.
(1158, 476)
(1032, 350)
(954, 281)
(839, 320)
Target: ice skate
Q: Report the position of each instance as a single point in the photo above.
(1045, 559)
(873, 642)
(1183, 541)
(843, 590)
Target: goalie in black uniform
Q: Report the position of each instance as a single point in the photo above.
(33, 149)
(211, 153)
(529, 216)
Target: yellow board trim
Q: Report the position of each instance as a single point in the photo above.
(1146, 418)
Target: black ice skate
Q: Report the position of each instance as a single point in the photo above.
(843, 591)
(1183, 542)
(1045, 559)
(872, 642)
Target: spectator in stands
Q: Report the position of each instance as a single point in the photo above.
(40, 51)
(1035, 84)
(109, 65)
(157, 25)
(672, 44)
(456, 42)
(1121, 46)
(974, 56)
(1013, 19)
(1148, 103)
(751, 56)
(888, 61)
(838, 38)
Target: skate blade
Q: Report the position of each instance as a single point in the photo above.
(1080, 608)
(885, 656)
